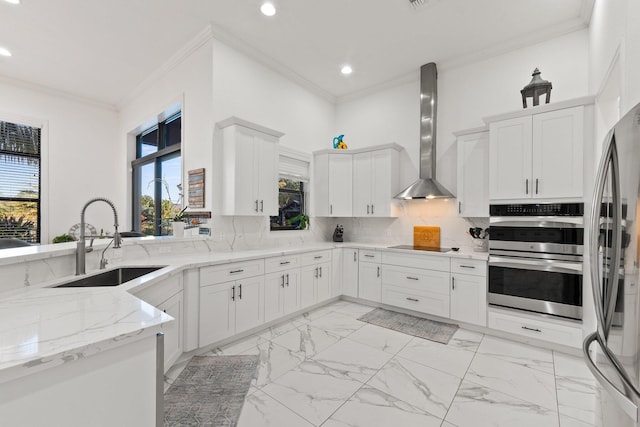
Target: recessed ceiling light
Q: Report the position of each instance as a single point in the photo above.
(4, 52)
(268, 9)
(13, 1)
(346, 70)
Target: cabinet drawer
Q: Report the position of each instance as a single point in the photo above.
(565, 334)
(422, 301)
(474, 267)
(315, 257)
(441, 263)
(367, 255)
(159, 292)
(280, 263)
(416, 279)
(231, 271)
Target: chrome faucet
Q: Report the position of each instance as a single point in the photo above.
(81, 246)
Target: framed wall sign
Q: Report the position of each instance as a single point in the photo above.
(196, 188)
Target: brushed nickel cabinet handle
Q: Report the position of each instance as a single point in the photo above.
(320, 271)
(285, 262)
(413, 299)
(367, 209)
(531, 329)
(236, 271)
(371, 209)
(526, 188)
(453, 283)
(261, 205)
(467, 266)
(240, 291)
(412, 278)
(256, 206)
(233, 293)
(354, 256)
(287, 279)
(459, 207)
(378, 271)
(282, 281)
(536, 185)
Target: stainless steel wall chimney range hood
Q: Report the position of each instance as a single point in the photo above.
(427, 187)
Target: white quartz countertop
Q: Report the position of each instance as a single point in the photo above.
(42, 326)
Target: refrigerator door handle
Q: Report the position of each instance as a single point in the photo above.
(629, 405)
(594, 258)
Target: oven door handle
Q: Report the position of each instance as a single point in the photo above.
(543, 265)
(543, 221)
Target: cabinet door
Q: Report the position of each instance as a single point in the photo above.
(362, 185)
(291, 294)
(274, 296)
(340, 185)
(384, 181)
(473, 175)
(245, 174)
(510, 159)
(173, 330)
(557, 153)
(267, 163)
(350, 272)
(469, 299)
(323, 282)
(308, 277)
(369, 281)
(217, 313)
(249, 299)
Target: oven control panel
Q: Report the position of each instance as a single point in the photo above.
(538, 209)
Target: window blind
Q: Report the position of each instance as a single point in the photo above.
(20, 181)
(293, 165)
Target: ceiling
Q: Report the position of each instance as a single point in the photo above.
(103, 50)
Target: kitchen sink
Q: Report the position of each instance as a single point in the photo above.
(114, 277)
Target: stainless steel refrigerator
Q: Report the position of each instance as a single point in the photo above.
(612, 352)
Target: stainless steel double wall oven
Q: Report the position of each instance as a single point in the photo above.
(535, 257)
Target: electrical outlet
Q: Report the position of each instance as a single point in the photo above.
(164, 249)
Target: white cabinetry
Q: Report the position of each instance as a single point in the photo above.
(531, 326)
(315, 277)
(246, 157)
(232, 306)
(537, 155)
(417, 282)
(473, 173)
(167, 296)
(350, 272)
(281, 286)
(369, 275)
(469, 291)
(375, 181)
(333, 184)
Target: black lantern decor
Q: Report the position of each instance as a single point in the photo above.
(535, 88)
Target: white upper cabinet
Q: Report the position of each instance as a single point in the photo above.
(246, 158)
(375, 182)
(473, 173)
(333, 184)
(538, 156)
(358, 183)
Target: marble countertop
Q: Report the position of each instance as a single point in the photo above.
(42, 326)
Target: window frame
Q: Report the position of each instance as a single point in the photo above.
(164, 152)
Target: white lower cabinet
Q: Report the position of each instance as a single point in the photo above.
(315, 283)
(315, 277)
(418, 289)
(281, 293)
(230, 308)
(552, 330)
(167, 296)
(370, 275)
(469, 291)
(350, 272)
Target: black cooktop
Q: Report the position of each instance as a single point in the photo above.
(420, 248)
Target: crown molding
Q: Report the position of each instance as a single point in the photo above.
(176, 59)
(230, 40)
(46, 90)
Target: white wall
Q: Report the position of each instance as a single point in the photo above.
(80, 155)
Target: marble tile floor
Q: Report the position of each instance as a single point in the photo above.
(328, 369)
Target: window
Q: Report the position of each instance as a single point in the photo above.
(294, 176)
(20, 182)
(157, 177)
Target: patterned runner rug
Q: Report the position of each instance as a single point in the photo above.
(411, 325)
(210, 391)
